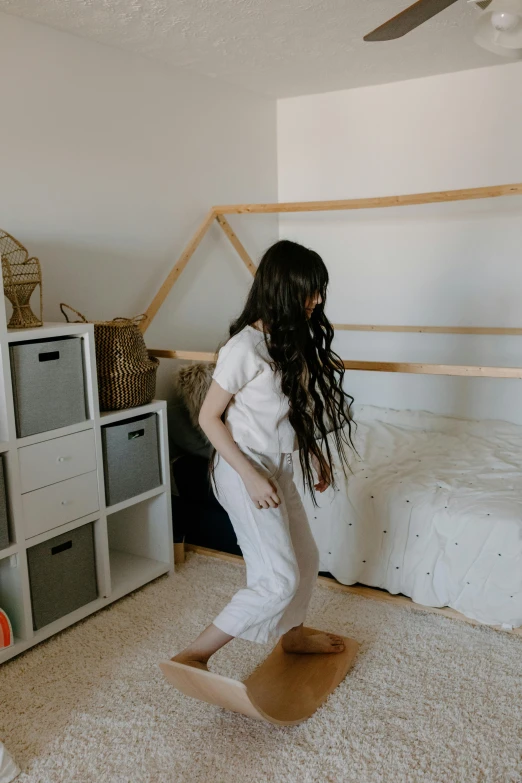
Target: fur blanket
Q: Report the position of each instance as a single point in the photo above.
(191, 383)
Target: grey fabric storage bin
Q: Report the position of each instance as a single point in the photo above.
(4, 519)
(48, 384)
(62, 575)
(130, 458)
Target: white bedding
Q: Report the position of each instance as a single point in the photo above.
(432, 510)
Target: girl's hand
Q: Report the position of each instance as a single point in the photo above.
(323, 475)
(261, 490)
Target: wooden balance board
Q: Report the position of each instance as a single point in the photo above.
(285, 689)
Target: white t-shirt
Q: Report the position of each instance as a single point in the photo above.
(257, 415)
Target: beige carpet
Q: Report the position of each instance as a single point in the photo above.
(429, 699)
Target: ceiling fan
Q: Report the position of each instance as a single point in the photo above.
(499, 26)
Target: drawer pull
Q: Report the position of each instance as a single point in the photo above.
(55, 550)
(60, 503)
(50, 356)
(136, 434)
(58, 459)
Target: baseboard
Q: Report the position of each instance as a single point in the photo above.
(365, 592)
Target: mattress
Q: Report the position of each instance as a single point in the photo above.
(432, 509)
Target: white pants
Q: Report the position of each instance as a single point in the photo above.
(281, 557)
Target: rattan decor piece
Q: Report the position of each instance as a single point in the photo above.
(21, 276)
(126, 373)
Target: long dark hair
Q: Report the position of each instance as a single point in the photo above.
(311, 374)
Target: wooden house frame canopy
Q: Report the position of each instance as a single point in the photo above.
(218, 214)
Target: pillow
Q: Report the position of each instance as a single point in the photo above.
(191, 384)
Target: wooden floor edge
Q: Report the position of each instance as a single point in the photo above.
(366, 592)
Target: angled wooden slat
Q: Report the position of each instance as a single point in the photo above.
(230, 233)
(177, 270)
(312, 206)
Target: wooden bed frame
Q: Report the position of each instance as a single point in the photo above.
(218, 214)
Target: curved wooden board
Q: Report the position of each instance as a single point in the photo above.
(285, 689)
(209, 687)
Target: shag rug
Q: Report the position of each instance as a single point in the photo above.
(429, 699)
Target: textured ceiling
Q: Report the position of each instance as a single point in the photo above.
(277, 47)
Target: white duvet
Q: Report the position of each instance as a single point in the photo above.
(432, 510)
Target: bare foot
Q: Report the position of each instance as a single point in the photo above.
(197, 654)
(296, 641)
(190, 661)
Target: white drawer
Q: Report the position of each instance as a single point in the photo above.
(50, 507)
(56, 460)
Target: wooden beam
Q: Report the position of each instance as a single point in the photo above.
(311, 206)
(467, 371)
(176, 271)
(196, 356)
(230, 233)
(435, 197)
(484, 330)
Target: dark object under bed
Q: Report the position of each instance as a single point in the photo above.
(196, 513)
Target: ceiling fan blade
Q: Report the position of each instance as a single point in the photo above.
(408, 20)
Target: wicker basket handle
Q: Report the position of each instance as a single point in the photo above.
(62, 305)
(138, 319)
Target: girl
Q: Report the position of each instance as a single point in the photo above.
(277, 387)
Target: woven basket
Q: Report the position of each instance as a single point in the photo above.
(126, 372)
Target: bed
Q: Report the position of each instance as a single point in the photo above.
(432, 510)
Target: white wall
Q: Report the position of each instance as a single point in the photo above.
(456, 264)
(109, 161)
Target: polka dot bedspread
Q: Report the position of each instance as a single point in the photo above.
(432, 510)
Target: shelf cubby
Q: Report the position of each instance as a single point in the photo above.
(138, 543)
(132, 540)
(137, 499)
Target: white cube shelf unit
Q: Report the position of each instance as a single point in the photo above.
(55, 484)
